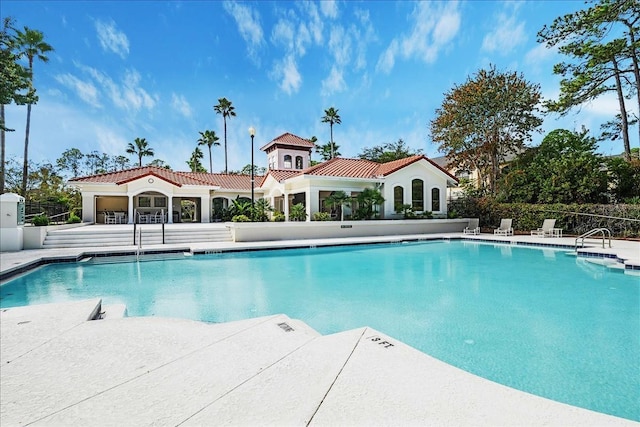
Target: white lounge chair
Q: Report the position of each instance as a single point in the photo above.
(504, 228)
(546, 230)
(473, 227)
(109, 217)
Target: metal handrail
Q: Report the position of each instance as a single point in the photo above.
(605, 234)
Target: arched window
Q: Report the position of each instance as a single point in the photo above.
(398, 197)
(298, 162)
(417, 195)
(287, 161)
(435, 200)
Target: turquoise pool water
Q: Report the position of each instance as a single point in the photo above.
(537, 320)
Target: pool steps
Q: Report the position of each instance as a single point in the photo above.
(271, 370)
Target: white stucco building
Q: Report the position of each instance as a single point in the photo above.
(146, 193)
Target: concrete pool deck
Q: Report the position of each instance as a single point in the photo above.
(59, 368)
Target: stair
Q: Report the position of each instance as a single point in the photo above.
(92, 236)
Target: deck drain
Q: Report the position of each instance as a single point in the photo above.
(22, 323)
(285, 327)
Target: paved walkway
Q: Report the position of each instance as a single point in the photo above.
(59, 368)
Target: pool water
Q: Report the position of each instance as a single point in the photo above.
(536, 320)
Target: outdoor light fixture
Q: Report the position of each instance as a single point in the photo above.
(252, 132)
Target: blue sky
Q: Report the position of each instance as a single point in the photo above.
(155, 70)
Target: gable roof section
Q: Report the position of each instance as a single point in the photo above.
(282, 174)
(225, 181)
(289, 140)
(125, 176)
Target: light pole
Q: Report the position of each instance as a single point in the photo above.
(252, 132)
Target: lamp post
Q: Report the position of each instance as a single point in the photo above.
(252, 132)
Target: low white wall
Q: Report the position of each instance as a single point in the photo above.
(11, 239)
(33, 237)
(261, 231)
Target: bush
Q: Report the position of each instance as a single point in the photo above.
(74, 219)
(321, 216)
(40, 220)
(241, 218)
(278, 216)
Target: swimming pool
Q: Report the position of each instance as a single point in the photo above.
(536, 320)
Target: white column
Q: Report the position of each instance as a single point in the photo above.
(130, 211)
(170, 210)
(205, 209)
(286, 206)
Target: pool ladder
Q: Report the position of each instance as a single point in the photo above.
(606, 234)
(139, 247)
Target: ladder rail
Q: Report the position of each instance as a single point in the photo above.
(606, 235)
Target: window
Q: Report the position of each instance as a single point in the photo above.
(298, 162)
(463, 174)
(417, 195)
(398, 197)
(287, 161)
(160, 202)
(144, 202)
(435, 199)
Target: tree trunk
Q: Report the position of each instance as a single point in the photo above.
(331, 130)
(623, 112)
(25, 165)
(636, 66)
(226, 168)
(2, 153)
(210, 161)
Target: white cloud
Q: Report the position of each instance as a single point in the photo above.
(433, 29)
(313, 22)
(128, 95)
(508, 33)
(334, 82)
(180, 104)
(112, 39)
(248, 22)
(340, 45)
(539, 55)
(287, 72)
(84, 90)
(329, 8)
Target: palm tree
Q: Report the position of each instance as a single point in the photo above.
(225, 108)
(209, 138)
(32, 45)
(332, 117)
(194, 162)
(140, 147)
(338, 199)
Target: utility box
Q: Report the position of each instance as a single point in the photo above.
(11, 222)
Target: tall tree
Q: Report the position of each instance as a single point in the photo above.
(140, 147)
(603, 44)
(209, 138)
(484, 120)
(120, 163)
(388, 152)
(160, 163)
(33, 46)
(194, 162)
(565, 168)
(328, 151)
(332, 117)
(225, 108)
(14, 81)
(71, 160)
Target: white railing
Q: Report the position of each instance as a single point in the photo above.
(605, 233)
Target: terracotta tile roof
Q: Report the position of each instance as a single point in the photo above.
(231, 182)
(387, 168)
(346, 168)
(282, 174)
(128, 175)
(289, 140)
(226, 181)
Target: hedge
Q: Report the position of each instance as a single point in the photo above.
(574, 219)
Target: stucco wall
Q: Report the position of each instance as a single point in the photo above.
(255, 232)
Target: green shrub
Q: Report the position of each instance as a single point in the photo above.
(40, 220)
(241, 218)
(74, 219)
(278, 216)
(321, 216)
(298, 212)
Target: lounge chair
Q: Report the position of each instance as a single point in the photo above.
(546, 230)
(473, 227)
(504, 228)
(109, 217)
